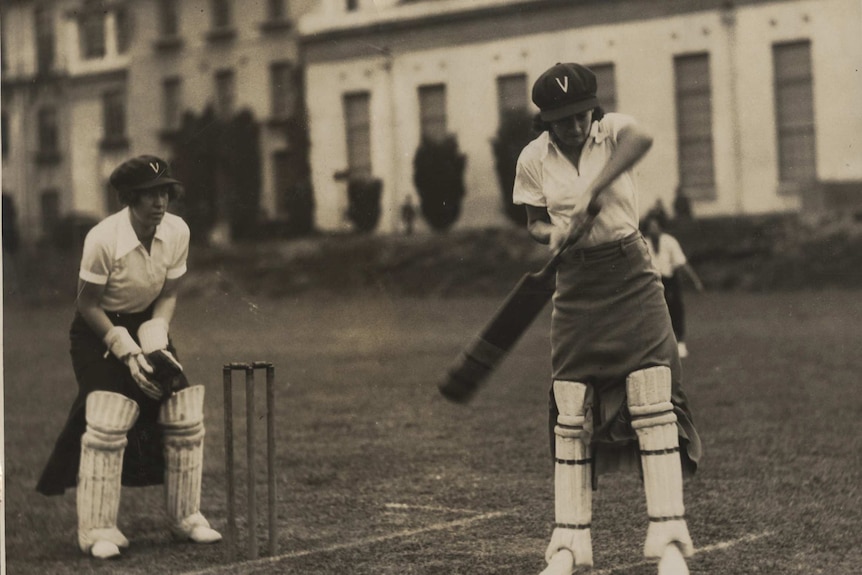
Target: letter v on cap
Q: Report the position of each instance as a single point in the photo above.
(564, 85)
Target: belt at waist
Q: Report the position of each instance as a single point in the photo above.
(601, 251)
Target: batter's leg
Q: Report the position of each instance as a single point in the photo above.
(653, 419)
(571, 543)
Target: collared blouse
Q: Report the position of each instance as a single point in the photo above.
(133, 278)
(544, 177)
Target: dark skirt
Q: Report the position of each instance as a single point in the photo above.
(609, 320)
(143, 462)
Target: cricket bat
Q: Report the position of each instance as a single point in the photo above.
(488, 348)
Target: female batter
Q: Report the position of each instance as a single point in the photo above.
(123, 428)
(616, 400)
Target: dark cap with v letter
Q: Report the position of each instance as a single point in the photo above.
(565, 90)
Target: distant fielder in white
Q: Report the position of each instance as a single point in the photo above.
(668, 257)
(617, 400)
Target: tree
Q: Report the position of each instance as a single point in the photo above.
(514, 133)
(219, 163)
(297, 201)
(242, 163)
(195, 159)
(438, 174)
(363, 202)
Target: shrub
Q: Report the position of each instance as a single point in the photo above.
(438, 174)
(218, 161)
(363, 202)
(241, 152)
(514, 133)
(297, 201)
(195, 153)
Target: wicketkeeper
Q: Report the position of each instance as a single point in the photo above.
(136, 421)
(616, 401)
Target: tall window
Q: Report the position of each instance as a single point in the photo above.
(607, 86)
(794, 112)
(357, 115)
(45, 41)
(112, 199)
(287, 173)
(694, 125)
(114, 117)
(432, 111)
(48, 131)
(3, 63)
(221, 16)
(168, 18)
(225, 93)
(49, 206)
(4, 137)
(92, 33)
(123, 23)
(172, 102)
(282, 90)
(511, 93)
(275, 10)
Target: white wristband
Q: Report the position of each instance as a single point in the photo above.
(120, 342)
(153, 335)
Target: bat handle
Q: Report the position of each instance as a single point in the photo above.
(552, 264)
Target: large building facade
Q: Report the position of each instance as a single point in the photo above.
(88, 83)
(750, 102)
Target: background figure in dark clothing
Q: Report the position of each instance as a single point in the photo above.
(671, 262)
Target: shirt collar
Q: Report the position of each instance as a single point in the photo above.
(595, 134)
(127, 239)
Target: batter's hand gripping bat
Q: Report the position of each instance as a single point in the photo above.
(482, 355)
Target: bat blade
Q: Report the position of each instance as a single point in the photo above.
(481, 357)
(530, 295)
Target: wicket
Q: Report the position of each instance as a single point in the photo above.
(227, 373)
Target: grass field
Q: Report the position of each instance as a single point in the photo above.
(379, 475)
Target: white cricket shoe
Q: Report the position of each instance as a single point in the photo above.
(683, 350)
(103, 549)
(672, 562)
(197, 529)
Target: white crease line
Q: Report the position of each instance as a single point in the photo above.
(407, 506)
(231, 568)
(698, 551)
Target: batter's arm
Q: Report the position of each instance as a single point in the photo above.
(540, 227)
(633, 142)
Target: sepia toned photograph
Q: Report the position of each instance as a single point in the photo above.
(431, 287)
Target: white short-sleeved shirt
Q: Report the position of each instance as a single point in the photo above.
(669, 256)
(114, 257)
(544, 177)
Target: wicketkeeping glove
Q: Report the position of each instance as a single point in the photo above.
(167, 372)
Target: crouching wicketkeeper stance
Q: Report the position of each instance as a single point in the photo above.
(136, 421)
(617, 400)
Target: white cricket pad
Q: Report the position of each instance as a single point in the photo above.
(572, 478)
(653, 419)
(109, 417)
(181, 417)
